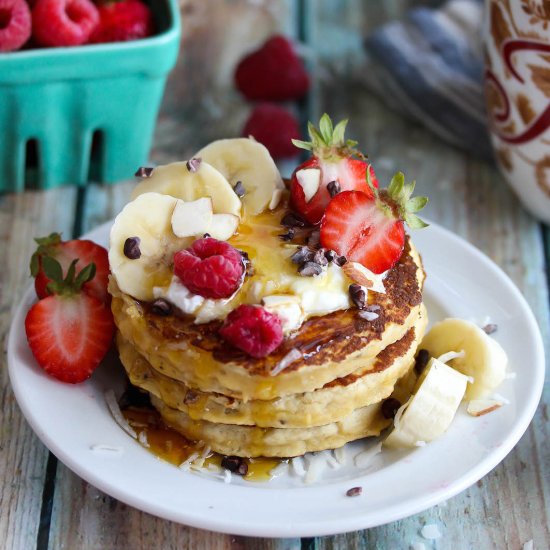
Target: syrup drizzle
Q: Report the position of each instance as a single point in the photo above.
(169, 445)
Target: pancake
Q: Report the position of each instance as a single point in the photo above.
(252, 441)
(332, 346)
(369, 384)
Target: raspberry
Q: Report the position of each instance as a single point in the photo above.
(122, 21)
(272, 73)
(253, 329)
(210, 268)
(15, 24)
(275, 128)
(63, 22)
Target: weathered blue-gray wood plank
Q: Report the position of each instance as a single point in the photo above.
(23, 458)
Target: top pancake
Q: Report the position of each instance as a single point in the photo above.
(332, 346)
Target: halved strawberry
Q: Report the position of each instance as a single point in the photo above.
(332, 156)
(65, 252)
(369, 229)
(70, 331)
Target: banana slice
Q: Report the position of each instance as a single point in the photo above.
(203, 180)
(483, 358)
(245, 160)
(149, 219)
(431, 409)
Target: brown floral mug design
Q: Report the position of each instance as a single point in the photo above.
(517, 89)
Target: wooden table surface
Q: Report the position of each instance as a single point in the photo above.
(44, 505)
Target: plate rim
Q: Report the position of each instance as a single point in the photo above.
(321, 527)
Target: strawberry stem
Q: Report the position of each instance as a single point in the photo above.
(397, 202)
(328, 142)
(69, 285)
(45, 246)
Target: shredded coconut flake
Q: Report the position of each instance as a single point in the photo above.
(420, 443)
(142, 438)
(298, 466)
(510, 375)
(341, 454)
(365, 458)
(112, 404)
(331, 461)
(450, 355)
(199, 463)
(528, 545)
(430, 531)
(368, 315)
(315, 465)
(227, 476)
(279, 470)
(186, 464)
(110, 450)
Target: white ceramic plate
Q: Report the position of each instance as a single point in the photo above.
(461, 282)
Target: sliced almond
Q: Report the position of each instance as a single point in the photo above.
(309, 179)
(193, 217)
(479, 407)
(365, 277)
(275, 199)
(223, 226)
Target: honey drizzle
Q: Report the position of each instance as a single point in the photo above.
(169, 445)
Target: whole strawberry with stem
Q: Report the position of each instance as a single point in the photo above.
(69, 332)
(330, 170)
(65, 252)
(369, 228)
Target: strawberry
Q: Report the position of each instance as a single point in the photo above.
(369, 228)
(123, 20)
(70, 331)
(274, 127)
(332, 156)
(272, 73)
(65, 252)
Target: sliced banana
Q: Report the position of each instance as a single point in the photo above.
(431, 409)
(149, 219)
(179, 181)
(483, 358)
(245, 160)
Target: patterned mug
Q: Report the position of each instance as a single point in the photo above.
(517, 89)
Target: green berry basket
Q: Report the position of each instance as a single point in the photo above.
(68, 115)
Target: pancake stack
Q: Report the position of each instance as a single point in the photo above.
(324, 386)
